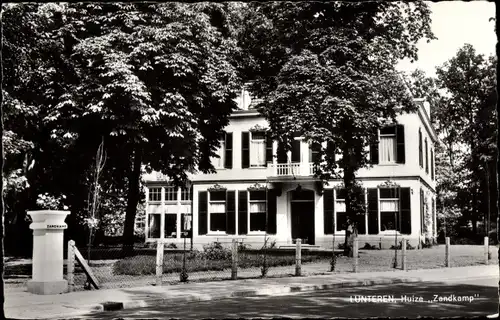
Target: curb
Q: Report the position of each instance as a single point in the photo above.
(116, 305)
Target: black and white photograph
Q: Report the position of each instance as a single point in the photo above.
(244, 160)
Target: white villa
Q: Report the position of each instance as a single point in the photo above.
(254, 179)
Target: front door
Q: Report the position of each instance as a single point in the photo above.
(303, 218)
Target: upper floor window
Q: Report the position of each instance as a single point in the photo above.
(391, 146)
(224, 153)
(218, 162)
(154, 194)
(387, 152)
(185, 194)
(170, 194)
(257, 149)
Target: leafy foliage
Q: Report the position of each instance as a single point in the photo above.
(325, 70)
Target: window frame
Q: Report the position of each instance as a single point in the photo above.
(150, 193)
(336, 201)
(380, 211)
(209, 212)
(251, 146)
(394, 136)
(249, 202)
(221, 152)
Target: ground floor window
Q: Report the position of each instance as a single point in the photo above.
(154, 223)
(389, 209)
(257, 209)
(340, 210)
(217, 209)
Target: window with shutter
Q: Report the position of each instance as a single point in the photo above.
(217, 211)
(373, 211)
(400, 148)
(340, 210)
(245, 149)
(202, 212)
(271, 211)
(257, 210)
(405, 201)
(228, 157)
(242, 212)
(420, 151)
(258, 149)
(269, 148)
(389, 209)
(328, 209)
(231, 214)
(426, 157)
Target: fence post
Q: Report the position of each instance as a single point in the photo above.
(355, 245)
(486, 249)
(298, 258)
(447, 252)
(71, 265)
(159, 262)
(234, 259)
(403, 253)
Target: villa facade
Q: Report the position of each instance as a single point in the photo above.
(255, 184)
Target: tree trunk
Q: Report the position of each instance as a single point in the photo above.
(132, 201)
(349, 181)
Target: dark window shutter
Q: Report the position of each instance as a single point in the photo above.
(330, 150)
(242, 212)
(374, 153)
(405, 211)
(426, 157)
(245, 149)
(295, 150)
(230, 212)
(400, 139)
(432, 164)
(281, 153)
(372, 211)
(421, 211)
(271, 211)
(328, 211)
(269, 148)
(202, 212)
(420, 152)
(229, 151)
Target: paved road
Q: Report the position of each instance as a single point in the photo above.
(439, 300)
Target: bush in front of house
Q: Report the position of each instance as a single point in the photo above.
(215, 251)
(198, 262)
(370, 247)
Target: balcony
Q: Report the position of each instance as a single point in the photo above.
(290, 169)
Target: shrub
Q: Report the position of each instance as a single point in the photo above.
(427, 244)
(171, 246)
(215, 251)
(341, 245)
(370, 247)
(242, 246)
(400, 245)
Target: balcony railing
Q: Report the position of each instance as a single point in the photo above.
(291, 169)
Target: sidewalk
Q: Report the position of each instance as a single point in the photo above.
(20, 304)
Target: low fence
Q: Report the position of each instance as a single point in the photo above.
(235, 260)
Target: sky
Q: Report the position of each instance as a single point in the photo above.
(455, 23)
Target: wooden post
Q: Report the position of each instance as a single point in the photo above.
(355, 245)
(447, 252)
(298, 258)
(403, 252)
(486, 249)
(234, 259)
(71, 265)
(159, 262)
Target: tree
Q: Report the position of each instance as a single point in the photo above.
(156, 81)
(326, 71)
(468, 112)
